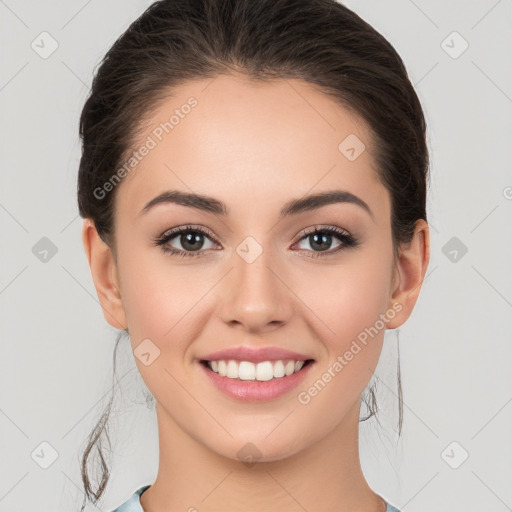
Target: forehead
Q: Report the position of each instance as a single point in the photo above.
(231, 136)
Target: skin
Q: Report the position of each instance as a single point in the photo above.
(255, 147)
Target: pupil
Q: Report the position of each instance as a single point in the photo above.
(322, 241)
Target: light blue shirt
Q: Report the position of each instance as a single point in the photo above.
(133, 504)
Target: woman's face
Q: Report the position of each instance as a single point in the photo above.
(257, 278)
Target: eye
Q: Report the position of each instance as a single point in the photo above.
(319, 240)
(190, 238)
(192, 241)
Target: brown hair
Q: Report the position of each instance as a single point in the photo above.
(319, 41)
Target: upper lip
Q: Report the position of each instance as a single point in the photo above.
(254, 355)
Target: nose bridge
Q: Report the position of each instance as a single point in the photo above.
(256, 297)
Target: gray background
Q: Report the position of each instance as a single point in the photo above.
(455, 350)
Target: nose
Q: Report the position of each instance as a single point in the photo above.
(255, 295)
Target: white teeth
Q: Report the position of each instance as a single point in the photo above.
(245, 370)
(232, 370)
(264, 371)
(290, 368)
(279, 369)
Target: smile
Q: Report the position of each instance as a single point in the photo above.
(263, 371)
(253, 382)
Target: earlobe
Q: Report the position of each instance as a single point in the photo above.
(410, 269)
(104, 275)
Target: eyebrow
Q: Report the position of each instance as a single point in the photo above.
(294, 207)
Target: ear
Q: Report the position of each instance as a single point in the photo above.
(104, 274)
(409, 273)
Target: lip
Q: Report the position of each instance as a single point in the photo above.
(255, 355)
(253, 390)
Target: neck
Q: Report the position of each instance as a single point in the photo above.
(326, 476)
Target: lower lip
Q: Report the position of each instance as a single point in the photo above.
(254, 390)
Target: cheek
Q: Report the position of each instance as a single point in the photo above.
(164, 302)
(348, 297)
(161, 305)
(348, 301)
(155, 295)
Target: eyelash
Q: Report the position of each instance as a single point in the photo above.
(348, 241)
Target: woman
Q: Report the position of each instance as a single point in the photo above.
(253, 187)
